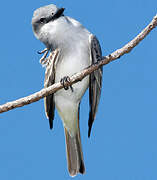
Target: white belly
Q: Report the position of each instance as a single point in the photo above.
(67, 66)
(66, 101)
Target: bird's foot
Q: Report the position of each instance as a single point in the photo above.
(43, 59)
(64, 80)
(43, 51)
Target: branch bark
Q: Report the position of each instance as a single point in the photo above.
(79, 76)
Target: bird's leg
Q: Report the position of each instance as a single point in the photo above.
(64, 80)
(43, 59)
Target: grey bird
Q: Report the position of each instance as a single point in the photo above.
(73, 49)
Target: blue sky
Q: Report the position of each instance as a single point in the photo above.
(123, 140)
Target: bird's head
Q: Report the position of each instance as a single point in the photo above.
(44, 15)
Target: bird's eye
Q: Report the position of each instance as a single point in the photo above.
(42, 20)
(52, 13)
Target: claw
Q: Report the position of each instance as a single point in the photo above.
(43, 51)
(66, 79)
(43, 59)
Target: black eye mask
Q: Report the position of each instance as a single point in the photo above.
(58, 14)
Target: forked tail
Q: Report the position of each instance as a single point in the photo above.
(74, 154)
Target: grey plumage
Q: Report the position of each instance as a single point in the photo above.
(76, 49)
(74, 152)
(50, 80)
(95, 82)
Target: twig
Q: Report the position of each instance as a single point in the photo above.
(79, 76)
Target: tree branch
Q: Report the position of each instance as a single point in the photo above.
(79, 76)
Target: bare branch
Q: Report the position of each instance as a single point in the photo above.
(79, 76)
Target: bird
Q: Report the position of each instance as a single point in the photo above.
(73, 48)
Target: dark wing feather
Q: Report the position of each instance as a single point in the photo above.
(95, 82)
(50, 80)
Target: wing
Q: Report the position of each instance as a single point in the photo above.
(95, 81)
(49, 80)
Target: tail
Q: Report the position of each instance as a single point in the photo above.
(74, 154)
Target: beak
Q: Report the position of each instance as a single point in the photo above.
(56, 15)
(59, 13)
